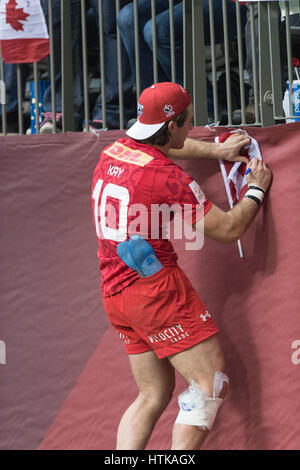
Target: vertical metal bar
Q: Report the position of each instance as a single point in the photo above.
(241, 60)
(67, 68)
(273, 18)
(289, 57)
(199, 69)
(227, 62)
(137, 49)
(267, 118)
(172, 41)
(20, 98)
(120, 71)
(213, 60)
(254, 62)
(102, 65)
(36, 96)
(85, 66)
(52, 67)
(3, 105)
(187, 45)
(154, 41)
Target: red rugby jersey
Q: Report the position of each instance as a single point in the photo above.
(131, 182)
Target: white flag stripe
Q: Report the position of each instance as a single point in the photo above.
(236, 177)
(34, 26)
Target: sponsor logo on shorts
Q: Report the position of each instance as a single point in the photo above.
(173, 335)
(205, 316)
(124, 338)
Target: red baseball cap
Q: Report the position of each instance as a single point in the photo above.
(157, 104)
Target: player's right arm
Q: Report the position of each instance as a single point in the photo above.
(228, 227)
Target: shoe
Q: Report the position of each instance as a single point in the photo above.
(249, 114)
(47, 126)
(95, 126)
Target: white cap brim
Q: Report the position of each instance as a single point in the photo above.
(141, 131)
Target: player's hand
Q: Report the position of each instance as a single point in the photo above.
(260, 175)
(231, 148)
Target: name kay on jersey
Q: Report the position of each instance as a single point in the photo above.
(115, 171)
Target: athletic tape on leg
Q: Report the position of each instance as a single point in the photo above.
(196, 407)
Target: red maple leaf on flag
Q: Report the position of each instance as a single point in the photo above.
(15, 15)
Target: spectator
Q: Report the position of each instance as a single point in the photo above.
(111, 72)
(11, 91)
(126, 25)
(250, 108)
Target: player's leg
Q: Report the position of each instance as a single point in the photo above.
(198, 363)
(155, 380)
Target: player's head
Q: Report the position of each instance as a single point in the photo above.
(159, 105)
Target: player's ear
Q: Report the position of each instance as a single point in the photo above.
(172, 125)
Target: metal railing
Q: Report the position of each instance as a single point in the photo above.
(268, 40)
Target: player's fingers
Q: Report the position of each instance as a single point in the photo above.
(241, 159)
(253, 162)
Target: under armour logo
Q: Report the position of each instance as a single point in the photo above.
(206, 316)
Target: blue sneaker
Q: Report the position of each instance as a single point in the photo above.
(139, 255)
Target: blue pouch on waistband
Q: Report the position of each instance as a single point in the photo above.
(139, 255)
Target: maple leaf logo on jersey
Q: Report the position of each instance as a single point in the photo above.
(173, 187)
(15, 15)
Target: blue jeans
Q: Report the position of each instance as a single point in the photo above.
(10, 74)
(110, 54)
(111, 69)
(126, 25)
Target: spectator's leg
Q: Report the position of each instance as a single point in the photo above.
(163, 47)
(249, 64)
(126, 26)
(111, 70)
(77, 59)
(11, 93)
(218, 20)
(163, 41)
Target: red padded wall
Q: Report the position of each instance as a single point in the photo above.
(66, 380)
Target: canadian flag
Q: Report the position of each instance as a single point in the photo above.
(234, 173)
(23, 31)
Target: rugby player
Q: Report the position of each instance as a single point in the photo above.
(161, 320)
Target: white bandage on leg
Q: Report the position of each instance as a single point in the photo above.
(197, 408)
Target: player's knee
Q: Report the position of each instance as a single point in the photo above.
(198, 408)
(157, 398)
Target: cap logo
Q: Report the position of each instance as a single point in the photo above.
(140, 110)
(168, 109)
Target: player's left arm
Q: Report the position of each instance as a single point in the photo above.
(228, 150)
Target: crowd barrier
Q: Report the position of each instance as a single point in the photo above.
(271, 46)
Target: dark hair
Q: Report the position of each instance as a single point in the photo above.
(161, 137)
